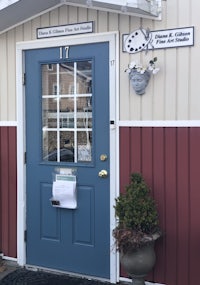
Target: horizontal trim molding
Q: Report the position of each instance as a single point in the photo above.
(127, 280)
(178, 123)
(9, 258)
(8, 124)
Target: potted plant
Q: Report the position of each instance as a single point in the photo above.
(137, 229)
(140, 75)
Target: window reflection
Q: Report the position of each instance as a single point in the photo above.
(67, 111)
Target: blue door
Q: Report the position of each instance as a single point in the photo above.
(67, 129)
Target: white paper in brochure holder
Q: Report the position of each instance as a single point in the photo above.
(64, 194)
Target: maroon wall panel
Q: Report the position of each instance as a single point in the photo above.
(194, 200)
(168, 158)
(8, 191)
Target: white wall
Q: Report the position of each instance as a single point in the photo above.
(171, 95)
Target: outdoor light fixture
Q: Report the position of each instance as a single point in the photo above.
(142, 8)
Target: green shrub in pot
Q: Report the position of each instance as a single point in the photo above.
(138, 215)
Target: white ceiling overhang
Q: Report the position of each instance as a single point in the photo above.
(15, 12)
(23, 10)
(140, 8)
(6, 3)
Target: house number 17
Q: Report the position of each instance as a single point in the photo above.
(64, 52)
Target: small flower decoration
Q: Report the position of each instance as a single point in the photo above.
(151, 67)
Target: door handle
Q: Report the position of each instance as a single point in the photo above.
(103, 173)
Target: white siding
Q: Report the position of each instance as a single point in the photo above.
(171, 95)
(4, 79)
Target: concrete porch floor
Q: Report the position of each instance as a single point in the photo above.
(6, 267)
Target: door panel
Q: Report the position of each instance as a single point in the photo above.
(67, 126)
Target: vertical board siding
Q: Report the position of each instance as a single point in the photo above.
(171, 94)
(194, 198)
(8, 191)
(169, 160)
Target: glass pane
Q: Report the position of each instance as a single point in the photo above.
(84, 140)
(67, 146)
(49, 145)
(49, 84)
(67, 113)
(84, 112)
(66, 78)
(49, 111)
(84, 77)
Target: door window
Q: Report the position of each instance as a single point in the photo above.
(67, 112)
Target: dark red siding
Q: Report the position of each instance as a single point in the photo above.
(8, 192)
(169, 160)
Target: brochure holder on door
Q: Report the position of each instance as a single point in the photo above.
(64, 194)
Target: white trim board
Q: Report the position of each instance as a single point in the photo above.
(8, 124)
(150, 283)
(113, 39)
(127, 280)
(5, 257)
(172, 123)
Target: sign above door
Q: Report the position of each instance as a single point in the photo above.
(65, 30)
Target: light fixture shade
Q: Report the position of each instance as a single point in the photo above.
(140, 8)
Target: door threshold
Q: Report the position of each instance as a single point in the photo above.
(61, 272)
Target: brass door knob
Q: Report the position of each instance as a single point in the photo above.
(103, 173)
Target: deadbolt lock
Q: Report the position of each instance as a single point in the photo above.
(103, 157)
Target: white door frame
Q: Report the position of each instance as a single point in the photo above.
(113, 39)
